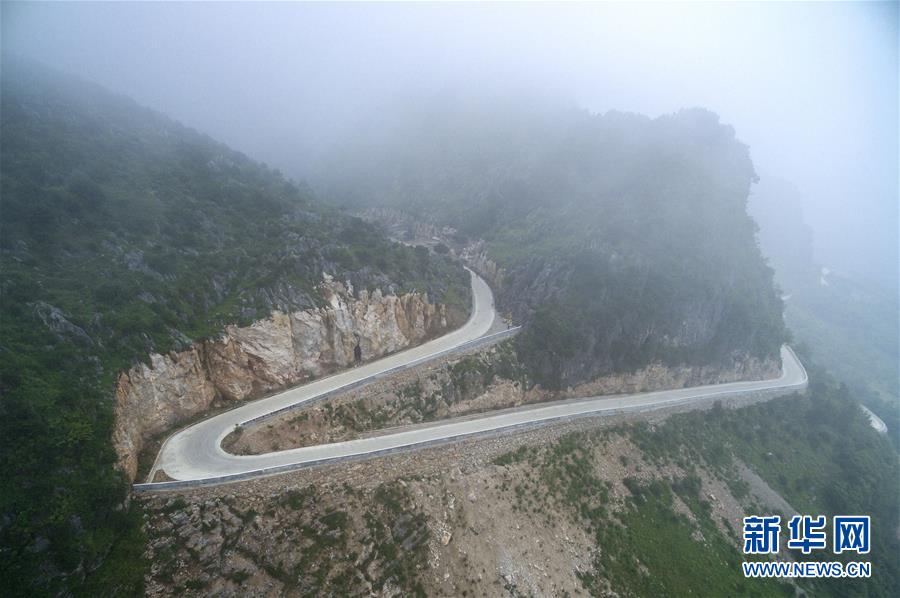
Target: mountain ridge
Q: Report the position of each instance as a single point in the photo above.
(624, 239)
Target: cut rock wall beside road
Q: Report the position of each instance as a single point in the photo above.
(658, 376)
(271, 354)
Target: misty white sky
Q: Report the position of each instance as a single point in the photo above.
(812, 88)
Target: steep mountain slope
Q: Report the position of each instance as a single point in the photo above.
(124, 233)
(624, 240)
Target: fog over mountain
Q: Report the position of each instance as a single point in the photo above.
(449, 299)
(813, 90)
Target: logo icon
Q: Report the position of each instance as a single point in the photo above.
(761, 534)
(852, 534)
(807, 533)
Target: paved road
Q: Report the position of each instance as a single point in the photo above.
(875, 421)
(195, 453)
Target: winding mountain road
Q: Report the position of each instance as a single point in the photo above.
(194, 455)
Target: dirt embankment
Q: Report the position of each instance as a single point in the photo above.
(476, 518)
(454, 386)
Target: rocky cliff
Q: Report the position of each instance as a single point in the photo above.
(404, 226)
(624, 241)
(594, 317)
(271, 354)
(476, 256)
(659, 376)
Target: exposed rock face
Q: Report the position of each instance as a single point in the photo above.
(476, 257)
(151, 398)
(271, 354)
(658, 376)
(405, 226)
(401, 225)
(57, 321)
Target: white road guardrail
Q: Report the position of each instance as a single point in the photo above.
(484, 340)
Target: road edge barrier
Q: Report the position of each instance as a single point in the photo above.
(761, 393)
(482, 340)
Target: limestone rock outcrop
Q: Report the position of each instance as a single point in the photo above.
(476, 256)
(271, 354)
(658, 376)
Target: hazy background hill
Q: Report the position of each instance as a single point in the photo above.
(625, 239)
(848, 322)
(787, 76)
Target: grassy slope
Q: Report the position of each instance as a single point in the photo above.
(817, 451)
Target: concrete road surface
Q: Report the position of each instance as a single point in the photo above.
(196, 452)
(195, 456)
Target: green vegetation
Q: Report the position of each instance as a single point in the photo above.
(646, 548)
(473, 373)
(399, 536)
(853, 329)
(122, 233)
(653, 551)
(816, 450)
(625, 240)
(459, 381)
